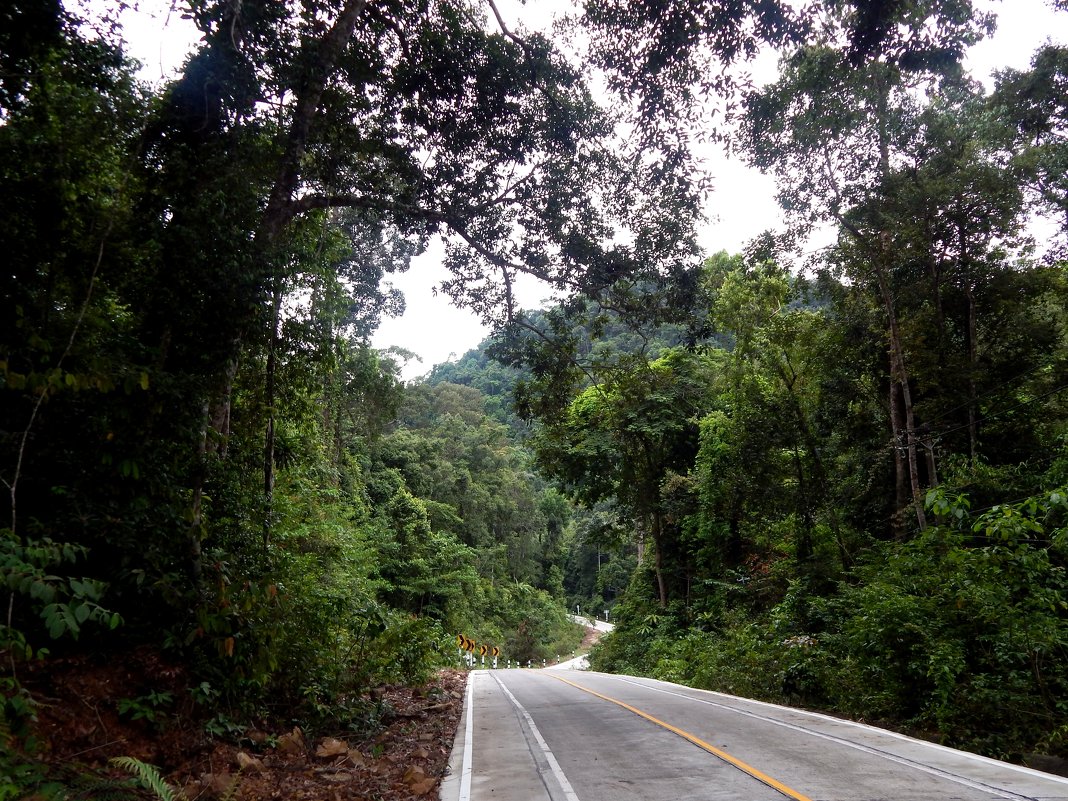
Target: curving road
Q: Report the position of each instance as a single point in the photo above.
(593, 623)
(533, 735)
(583, 662)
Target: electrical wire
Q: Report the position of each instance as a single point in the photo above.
(1003, 411)
(1006, 385)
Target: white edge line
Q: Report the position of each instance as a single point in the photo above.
(911, 763)
(1036, 774)
(558, 772)
(465, 771)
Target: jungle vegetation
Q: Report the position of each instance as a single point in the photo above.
(835, 479)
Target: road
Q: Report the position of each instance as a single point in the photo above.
(582, 662)
(556, 735)
(593, 623)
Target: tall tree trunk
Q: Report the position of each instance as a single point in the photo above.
(936, 291)
(804, 541)
(901, 469)
(322, 63)
(973, 347)
(657, 530)
(320, 58)
(196, 513)
(219, 413)
(898, 372)
(932, 472)
(914, 469)
(820, 472)
(279, 210)
(899, 376)
(269, 392)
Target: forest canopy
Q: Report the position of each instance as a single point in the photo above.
(836, 479)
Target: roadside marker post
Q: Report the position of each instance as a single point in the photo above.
(468, 645)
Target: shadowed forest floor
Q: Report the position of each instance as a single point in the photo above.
(87, 710)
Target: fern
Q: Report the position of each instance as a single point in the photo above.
(149, 777)
(235, 785)
(104, 789)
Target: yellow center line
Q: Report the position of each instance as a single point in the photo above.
(742, 766)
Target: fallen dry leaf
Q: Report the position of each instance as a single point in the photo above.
(414, 775)
(292, 743)
(331, 747)
(217, 783)
(423, 787)
(250, 763)
(257, 736)
(338, 778)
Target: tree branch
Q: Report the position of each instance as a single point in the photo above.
(504, 28)
(330, 48)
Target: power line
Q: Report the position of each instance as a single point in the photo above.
(1003, 411)
(1006, 385)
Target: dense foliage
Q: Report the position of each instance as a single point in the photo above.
(838, 482)
(845, 481)
(199, 449)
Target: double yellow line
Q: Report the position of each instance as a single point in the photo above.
(742, 766)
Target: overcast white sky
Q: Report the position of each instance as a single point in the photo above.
(741, 206)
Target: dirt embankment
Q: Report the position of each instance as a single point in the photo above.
(91, 710)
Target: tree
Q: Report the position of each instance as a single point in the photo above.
(296, 131)
(833, 128)
(419, 117)
(767, 405)
(665, 57)
(1033, 103)
(620, 439)
(70, 114)
(426, 571)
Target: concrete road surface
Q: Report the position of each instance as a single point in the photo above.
(537, 735)
(593, 623)
(582, 662)
(578, 663)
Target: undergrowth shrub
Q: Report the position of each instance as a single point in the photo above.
(960, 634)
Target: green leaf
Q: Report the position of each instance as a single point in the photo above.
(56, 627)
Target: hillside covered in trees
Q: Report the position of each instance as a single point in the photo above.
(842, 476)
(836, 479)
